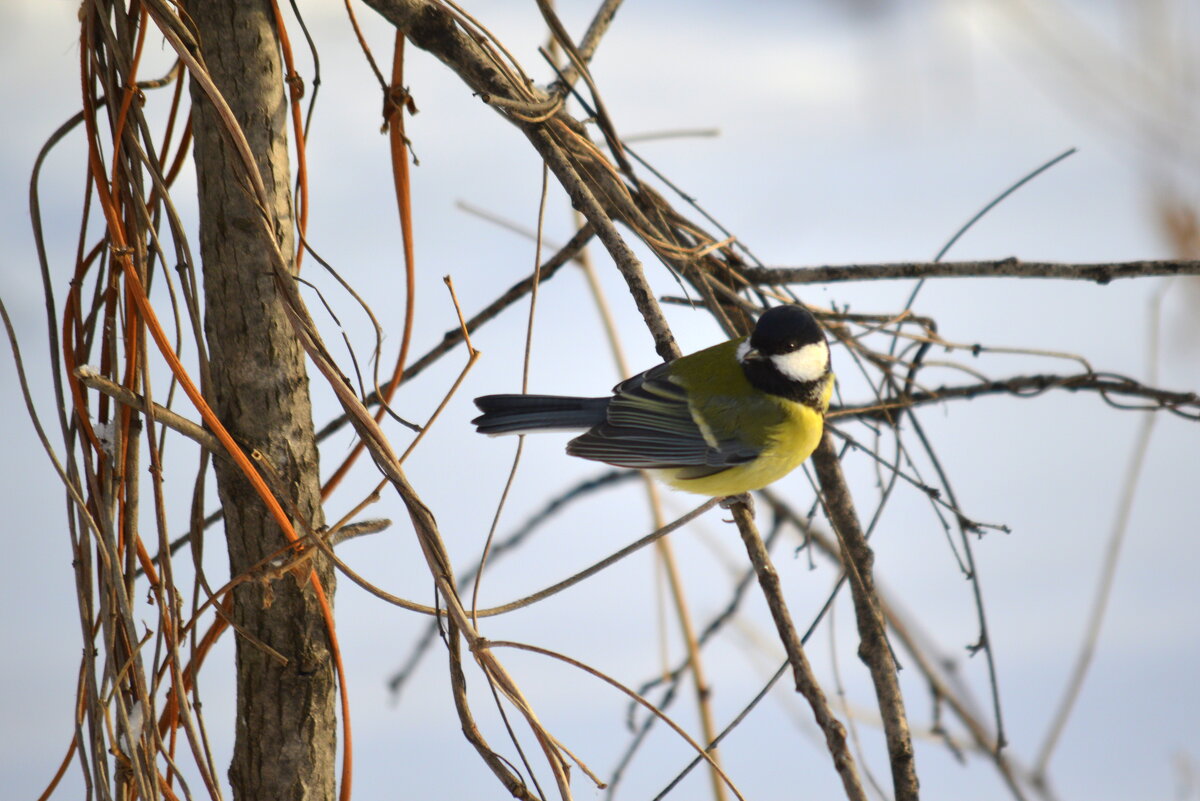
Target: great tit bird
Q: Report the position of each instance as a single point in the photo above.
(722, 421)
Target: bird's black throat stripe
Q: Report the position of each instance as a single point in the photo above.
(765, 377)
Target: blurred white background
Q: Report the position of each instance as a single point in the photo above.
(848, 132)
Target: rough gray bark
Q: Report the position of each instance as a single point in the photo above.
(874, 650)
(285, 745)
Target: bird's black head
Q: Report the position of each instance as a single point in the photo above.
(787, 355)
(784, 329)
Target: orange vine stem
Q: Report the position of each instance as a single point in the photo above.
(394, 114)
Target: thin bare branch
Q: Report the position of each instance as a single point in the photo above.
(806, 682)
(1184, 404)
(1012, 267)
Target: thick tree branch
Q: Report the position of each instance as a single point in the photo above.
(259, 391)
(874, 649)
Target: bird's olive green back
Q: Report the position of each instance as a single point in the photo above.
(722, 396)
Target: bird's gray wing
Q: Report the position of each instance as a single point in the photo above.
(649, 425)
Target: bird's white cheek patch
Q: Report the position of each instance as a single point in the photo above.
(807, 364)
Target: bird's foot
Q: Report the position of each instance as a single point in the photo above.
(745, 499)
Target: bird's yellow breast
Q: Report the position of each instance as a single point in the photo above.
(789, 440)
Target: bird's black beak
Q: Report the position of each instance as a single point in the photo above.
(753, 355)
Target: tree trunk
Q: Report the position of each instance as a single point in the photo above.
(285, 745)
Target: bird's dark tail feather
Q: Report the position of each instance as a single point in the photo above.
(518, 414)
